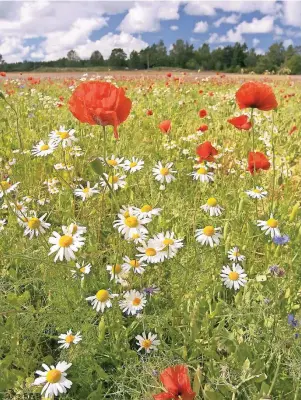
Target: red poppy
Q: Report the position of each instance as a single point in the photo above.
(149, 112)
(203, 128)
(2, 73)
(206, 151)
(202, 113)
(165, 126)
(241, 122)
(168, 74)
(61, 98)
(177, 383)
(256, 95)
(201, 91)
(294, 129)
(257, 161)
(100, 103)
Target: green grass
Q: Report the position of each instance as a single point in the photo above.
(241, 341)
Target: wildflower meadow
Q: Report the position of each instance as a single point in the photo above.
(150, 237)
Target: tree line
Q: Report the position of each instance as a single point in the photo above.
(277, 59)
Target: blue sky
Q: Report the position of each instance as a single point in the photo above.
(46, 30)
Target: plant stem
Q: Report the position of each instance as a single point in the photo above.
(17, 121)
(274, 166)
(276, 374)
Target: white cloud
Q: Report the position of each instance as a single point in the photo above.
(174, 27)
(209, 8)
(231, 19)
(260, 52)
(201, 27)
(288, 42)
(198, 8)
(146, 16)
(13, 50)
(292, 13)
(255, 42)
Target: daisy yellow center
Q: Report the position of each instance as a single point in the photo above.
(135, 236)
(168, 242)
(208, 230)
(146, 344)
(113, 163)
(113, 179)
(69, 338)
(44, 147)
(102, 295)
(272, 223)
(164, 171)
(257, 191)
(126, 214)
(53, 376)
(150, 252)
(131, 222)
(134, 263)
(136, 301)
(64, 135)
(5, 185)
(34, 223)
(212, 202)
(236, 253)
(201, 171)
(19, 206)
(116, 269)
(86, 190)
(82, 269)
(233, 276)
(146, 208)
(133, 164)
(65, 241)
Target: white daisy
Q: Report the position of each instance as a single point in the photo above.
(234, 255)
(212, 208)
(19, 207)
(112, 161)
(7, 187)
(65, 245)
(133, 265)
(257, 193)
(81, 270)
(43, 149)
(146, 211)
(35, 225)
(3, 222)
(64, 136)
(137, 238)
(151, 252)
(270, 226)
(131, 224)
(86, 192)
(168, 243)
(133, 302)
(165, 173)
(54, 379)
(208, 235)
(74, 229)
(114, 181)
(147, 342)
(101, 300)
(133, 165)
(117, 273)
(67, 339)
(233, 278)
(202, 175)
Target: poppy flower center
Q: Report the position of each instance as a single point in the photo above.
(64, 135)
(86, 190)
(65, 241)
(131, 222)
(208, 230)
(44, 147)
(134, 263)
(5, 185)
(53, 376)
(116, 269)
(102, 295)
(150, 252)
(164, 171)
(201, 171)
(233, 276)
(146, 344)
(136, 301)
(33, 223)
(113, 163)
(168, 242)
(212, 202)
(146, 208)
(272, 223)
(69, 338)
(133, 164)
(113, 179)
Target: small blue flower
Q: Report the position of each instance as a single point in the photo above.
(292, 321)
(281, 240)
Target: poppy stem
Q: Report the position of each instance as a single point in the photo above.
(254, 166)
(274, 166)
(104, 143)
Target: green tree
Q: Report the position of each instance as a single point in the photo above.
(294, 64)
(117, 58)
(134, 60)
(1, 60)
(97, 58)
(202, 56)
(276, 55)
(181, 53)
(72, 55)
(251, 59)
